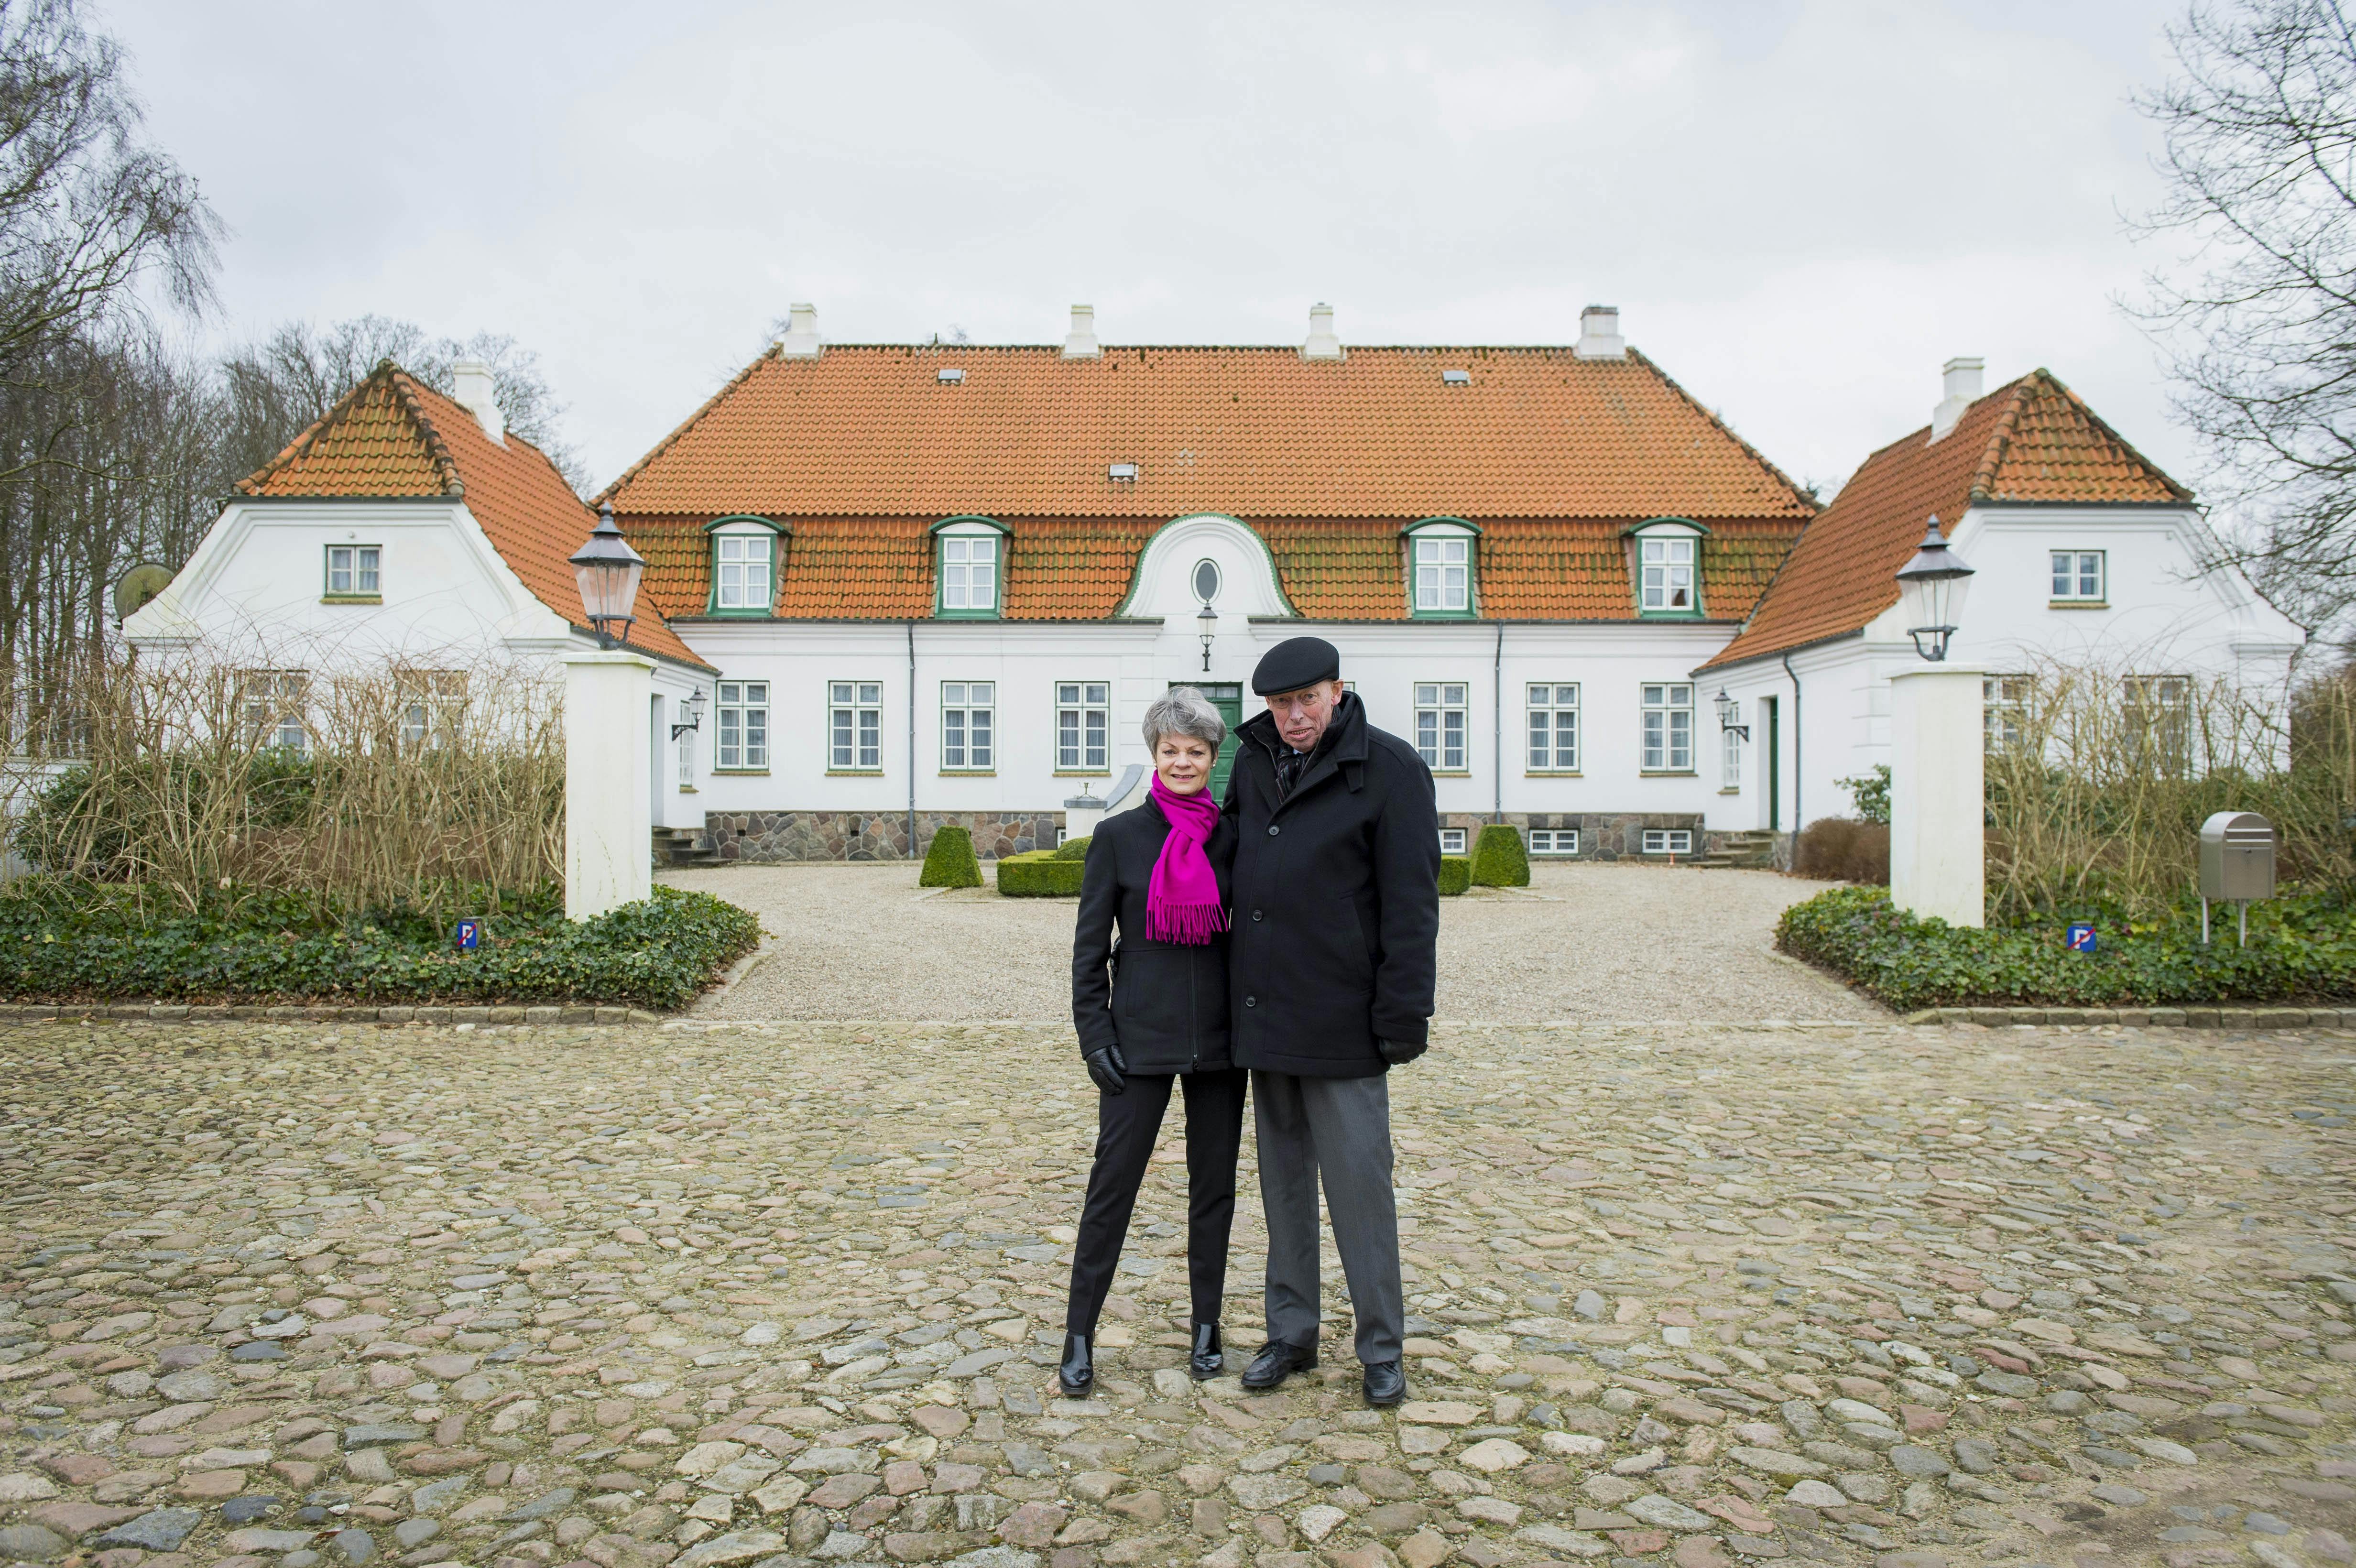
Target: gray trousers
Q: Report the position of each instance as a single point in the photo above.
(1339, 1128)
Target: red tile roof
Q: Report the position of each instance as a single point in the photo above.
(2034, 441)
(391, 435)
(861, 451)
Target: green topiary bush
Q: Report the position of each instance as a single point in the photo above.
(1500, 858)
(1041, 874)
(65, 940)
(1072, 849)
(1455, 874)
(950, 863)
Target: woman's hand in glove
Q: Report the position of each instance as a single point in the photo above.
(1106, 1066)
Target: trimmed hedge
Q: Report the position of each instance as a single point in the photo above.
(1072, 849)
(1500, 859)
(1455, 874)
(950, 862)
(63, 941)
(2302, 949)
(1040, 874)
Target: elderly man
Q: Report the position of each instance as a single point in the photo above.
(1336, 914)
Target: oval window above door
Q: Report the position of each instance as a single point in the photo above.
(1206, 580)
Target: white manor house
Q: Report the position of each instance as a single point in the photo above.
(917, 584)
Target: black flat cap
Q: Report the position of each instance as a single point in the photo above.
(1294, 663)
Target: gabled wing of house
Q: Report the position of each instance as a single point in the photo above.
(2032, 441)
(860, 451)
(392, 436)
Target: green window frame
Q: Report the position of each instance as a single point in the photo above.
(1664, 568)
(355, 573)
(747, 554)
(970, 567)
(1443, 569)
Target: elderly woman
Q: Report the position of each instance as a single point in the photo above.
(1152, 1010)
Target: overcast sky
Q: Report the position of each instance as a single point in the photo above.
(1802, 206)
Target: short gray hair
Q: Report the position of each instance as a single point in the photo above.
(1183, 711)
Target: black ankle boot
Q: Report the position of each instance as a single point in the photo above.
(1078, 1373)
(1206, 1361)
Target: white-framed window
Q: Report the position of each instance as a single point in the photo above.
(1553, 840)
(1451, 840)
(2158, 716)
(275, 701)
(431, 702)
(1668, 841)
(969, 575)
(1669, 729)
(743, 571)
(1554, 727)
(353, 572)
(2003, 705)
(1664, 576)
(1439, 725)
(744, 718)
(854, 726)
(1083, 726)
(968, 725)
(687, 759)
(1730, 760)
(1444, 574)
(2080, 576)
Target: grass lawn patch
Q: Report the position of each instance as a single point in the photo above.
(63, 940)
(2302, 949)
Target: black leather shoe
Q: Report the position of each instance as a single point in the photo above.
(1386, 1384)
(1078, 1373)
(1207, 1359)
(1277, 1362)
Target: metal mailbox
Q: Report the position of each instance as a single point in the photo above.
(2237, 856)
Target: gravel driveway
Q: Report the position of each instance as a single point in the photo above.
(1584, 943)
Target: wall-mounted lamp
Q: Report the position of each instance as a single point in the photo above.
(694, 719)
(1727, 709)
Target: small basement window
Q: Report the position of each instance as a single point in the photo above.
(1554, 841)
(1451, 840)
(1121, 473)
(950, 376)
(1668, 841)
(1456, 377)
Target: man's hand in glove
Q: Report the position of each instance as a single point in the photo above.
(1400, 1053)
(1106, 1068)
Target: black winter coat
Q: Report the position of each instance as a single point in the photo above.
(1163, 1003)
(1336, 900)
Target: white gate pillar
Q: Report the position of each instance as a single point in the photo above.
(608, 811)
(1938, 855)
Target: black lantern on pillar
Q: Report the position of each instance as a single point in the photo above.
(608, 571)
(1930, 588)
(1208, 623)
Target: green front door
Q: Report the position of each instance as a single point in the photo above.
(1229, 702)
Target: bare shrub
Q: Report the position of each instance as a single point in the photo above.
(357, 783)
(1843, 850)
(2098, 782)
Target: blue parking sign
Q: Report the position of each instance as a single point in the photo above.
(470, 935)
(2081, 937)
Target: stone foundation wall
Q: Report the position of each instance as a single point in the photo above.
(755, 836)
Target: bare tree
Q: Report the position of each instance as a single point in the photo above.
(2258, 310)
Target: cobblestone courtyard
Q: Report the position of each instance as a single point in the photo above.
(277, 1296)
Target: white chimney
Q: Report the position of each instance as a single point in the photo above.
(1322, 344)
(801, 341)
(1961, 378)
(471, 385)
(1599, 333)
(1080, 342)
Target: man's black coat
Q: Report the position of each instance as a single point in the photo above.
(1336, 900)
(1163, 1003)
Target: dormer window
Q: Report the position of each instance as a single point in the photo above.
(744, 555)
(969, 568)
(1440, 564)
(1667, 563)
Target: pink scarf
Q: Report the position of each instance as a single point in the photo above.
(1181, 903)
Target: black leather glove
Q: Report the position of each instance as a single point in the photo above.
(1106, 1067)
(1400, 1053)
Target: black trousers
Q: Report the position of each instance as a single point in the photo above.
(1126, 1124)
